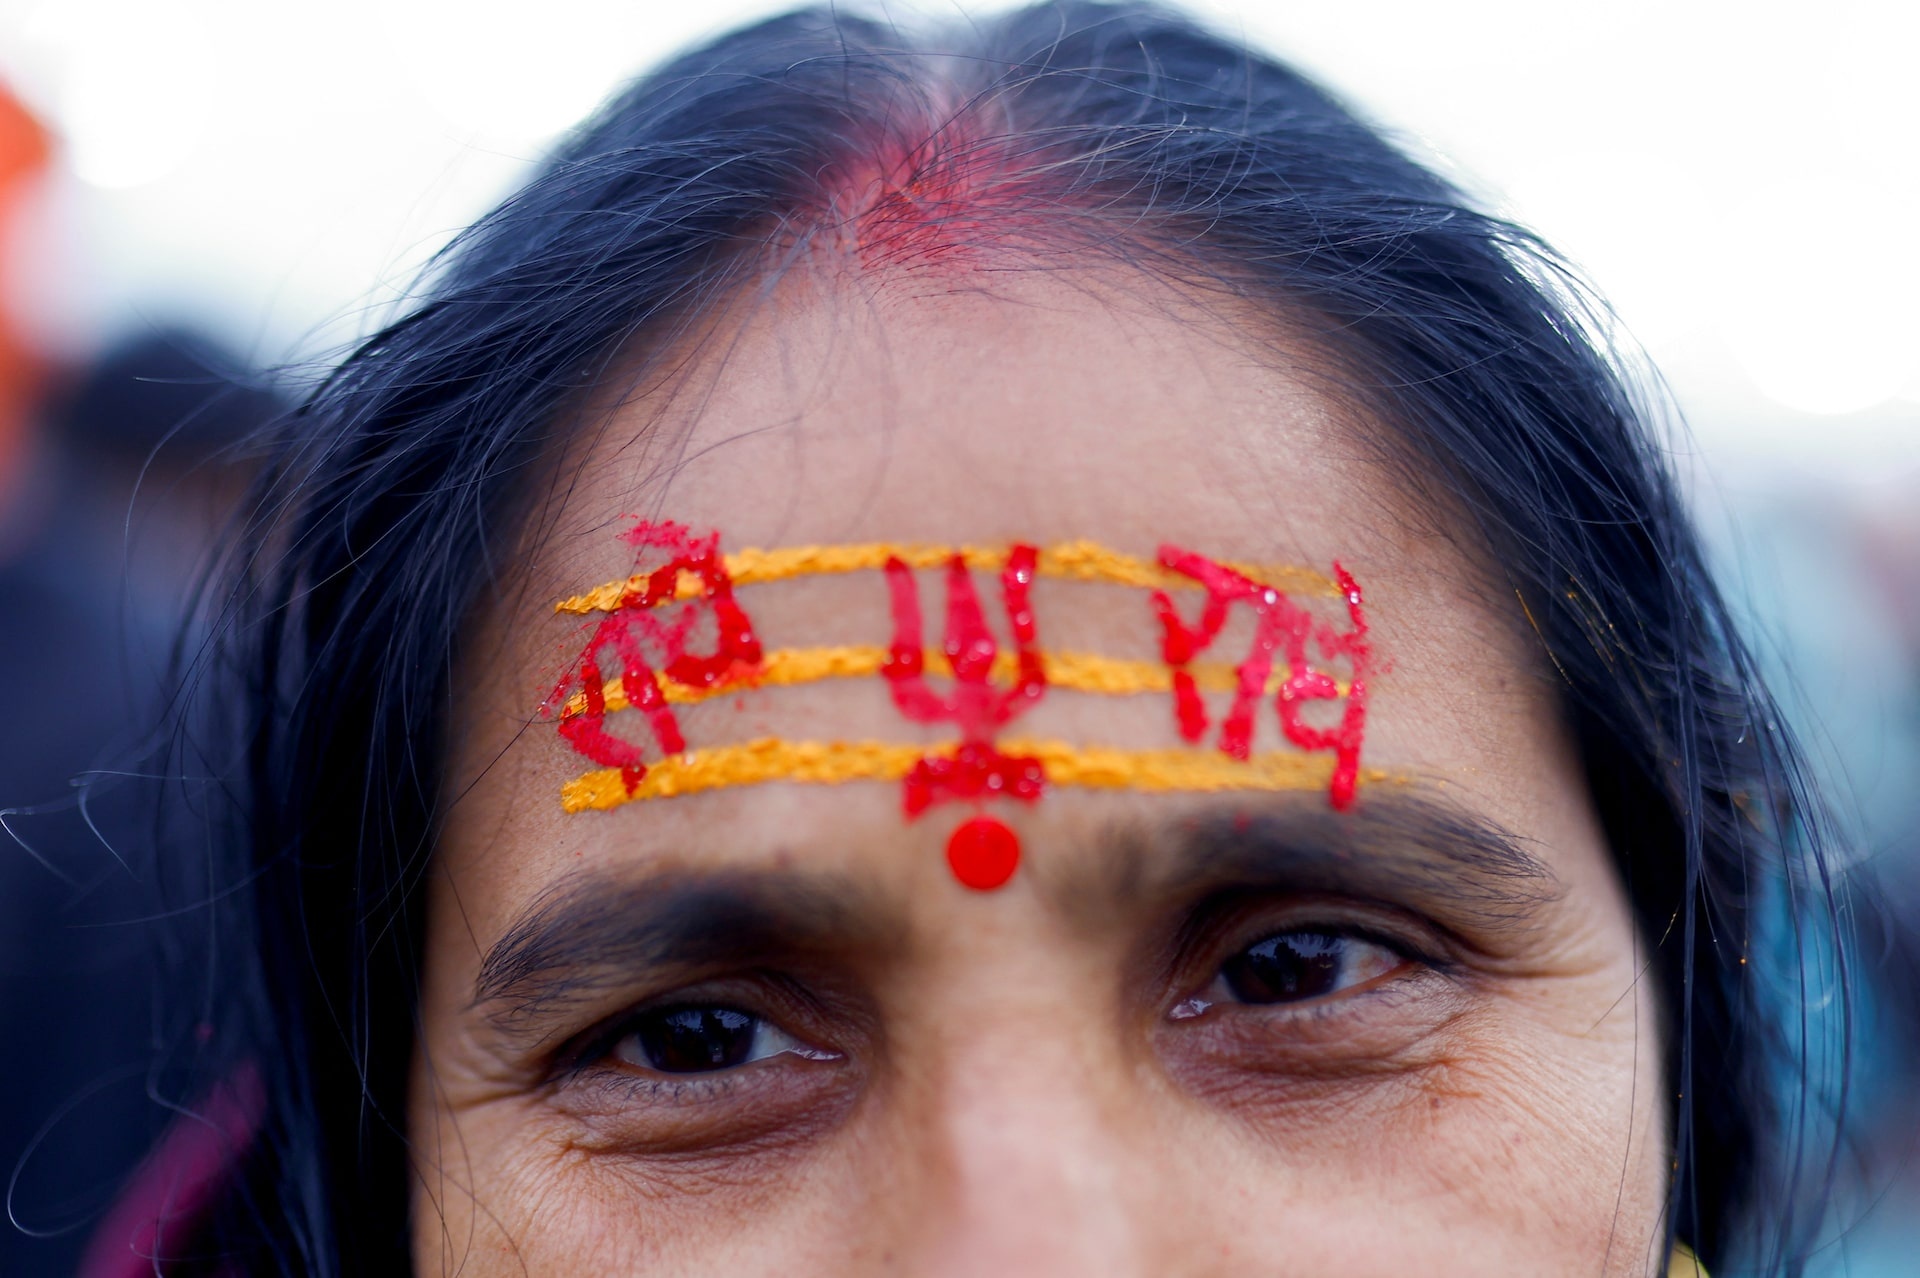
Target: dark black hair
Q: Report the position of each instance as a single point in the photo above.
(401, 488)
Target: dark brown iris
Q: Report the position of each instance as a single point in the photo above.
(1286, 968)
(688, 1040)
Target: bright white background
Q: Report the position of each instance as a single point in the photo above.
(1743, 179)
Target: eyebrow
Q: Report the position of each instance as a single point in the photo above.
(1415, 849)
(596, 931)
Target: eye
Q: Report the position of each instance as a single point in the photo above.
(692, 1039)
(1295, 967)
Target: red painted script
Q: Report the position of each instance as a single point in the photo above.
(647, 643)
(1280, 627)
(977, 707)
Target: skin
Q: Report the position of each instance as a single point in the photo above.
(1013, 1082)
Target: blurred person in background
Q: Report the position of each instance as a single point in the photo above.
(23, 158)
(495, 973)
(110, 489)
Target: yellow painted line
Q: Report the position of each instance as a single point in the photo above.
(838, 762)
(1075, 671)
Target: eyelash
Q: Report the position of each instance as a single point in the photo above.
(599, 1053)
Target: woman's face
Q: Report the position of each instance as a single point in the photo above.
(764, 1030)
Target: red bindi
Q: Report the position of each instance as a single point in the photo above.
(983, 853)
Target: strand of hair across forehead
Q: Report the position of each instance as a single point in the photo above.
(1071, 560)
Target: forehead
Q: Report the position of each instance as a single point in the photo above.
(1041, 410)
(1030, 406)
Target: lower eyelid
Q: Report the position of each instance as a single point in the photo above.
(627, 1083)
(783, 1101)
(628, 1086)
(1288, 1064)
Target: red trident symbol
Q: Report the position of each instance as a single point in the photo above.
(633, 627)
(982, 852)
(1279, 626)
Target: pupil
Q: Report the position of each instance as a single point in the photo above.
(687, 1040)
(1280, 969)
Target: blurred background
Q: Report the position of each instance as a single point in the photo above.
(201, 201)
